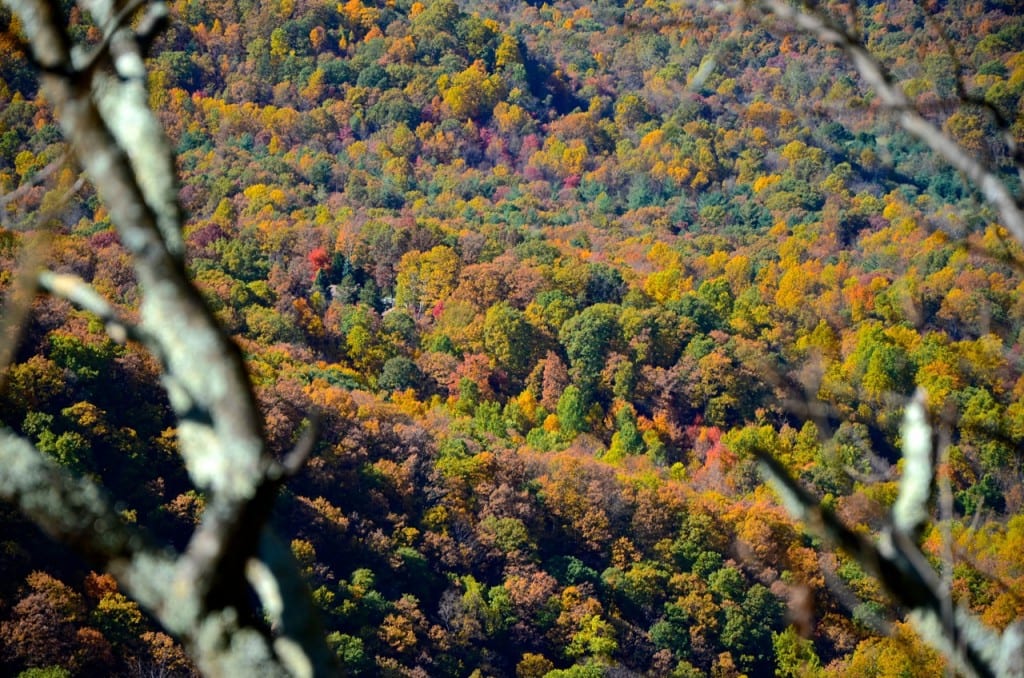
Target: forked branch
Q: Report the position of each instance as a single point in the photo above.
(101, 101)
(896, 559)
(988, 180)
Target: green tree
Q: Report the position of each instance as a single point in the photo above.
(399, 373)
(588, 337)
(509, 339)
(795, 656)
(572, 411)
(626, 440)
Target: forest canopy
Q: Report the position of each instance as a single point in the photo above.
(546, 277)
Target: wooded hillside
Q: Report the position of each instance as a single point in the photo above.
(545, 276)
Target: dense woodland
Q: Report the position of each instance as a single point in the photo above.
(544, 275)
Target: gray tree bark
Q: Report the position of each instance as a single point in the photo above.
(201, 595)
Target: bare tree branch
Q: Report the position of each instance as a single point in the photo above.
(38, 177)
(81, 294)
(910, 512)
(901, 567)
(71, 510)
(202, 596)
(1003, 123)
(985, 178)
(896, 560)
(18, 303)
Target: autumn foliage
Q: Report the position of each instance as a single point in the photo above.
(544, 275)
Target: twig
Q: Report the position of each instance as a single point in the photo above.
(984, 178)
(36, 178)
(80, 293)
(945, 502)
(910, 512)
(90, 61)
(1003, 123)
(18, 303)
(71, 510)
(295, 460)
(901, 567)
(275, 575)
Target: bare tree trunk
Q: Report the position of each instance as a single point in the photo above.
(202, 595)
